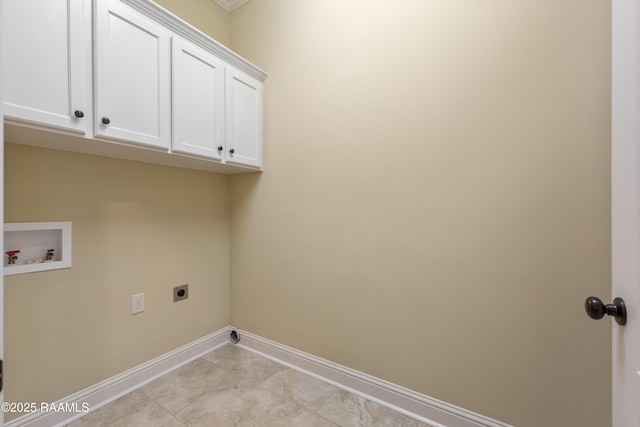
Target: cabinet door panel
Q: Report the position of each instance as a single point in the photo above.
(198, 100)
(47, 62)
(243, 119)
(132, 77)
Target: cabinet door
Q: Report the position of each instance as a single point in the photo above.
(132, 75)
(46, 70)
(243, 119)
(198, 100)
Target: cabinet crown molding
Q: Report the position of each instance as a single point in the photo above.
(231, 5)
(197, 37)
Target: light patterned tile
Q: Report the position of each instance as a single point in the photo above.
(346, 409)
(300, 388)
(235, 387)
(149, 414)
(114, 410)
(289, 414)
(232, 407)
(223, 353)
(80, 422)
(410, 422)
(131, 410)
(239, 368)
(176, 389)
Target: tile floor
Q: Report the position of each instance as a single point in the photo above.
(234, 387)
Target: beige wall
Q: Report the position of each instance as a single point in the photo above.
(205, 15)
(136, 228)
(434, 206)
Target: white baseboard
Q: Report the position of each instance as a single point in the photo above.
(111, 389)
(415, 405)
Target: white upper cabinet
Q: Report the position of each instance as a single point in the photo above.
(46, 66)
(127, 79)
(243, 119)
(132, 76)
(198, 100)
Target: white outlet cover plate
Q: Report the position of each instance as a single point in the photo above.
(137, 303)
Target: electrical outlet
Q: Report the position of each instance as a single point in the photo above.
(137, 303)
(180, 293)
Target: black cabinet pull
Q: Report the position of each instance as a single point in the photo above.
(232, 151)
(106, 120)
(79, 114)
(220, 148)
